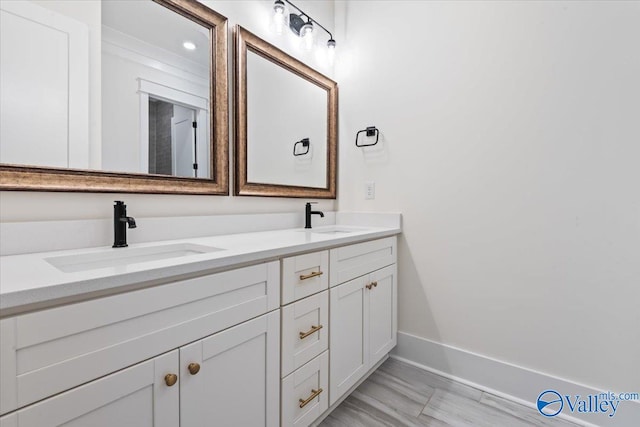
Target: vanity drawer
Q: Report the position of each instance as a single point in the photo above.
(304, 275)
(349, 262)
(305, 331)
(305, 393)
(53, 350)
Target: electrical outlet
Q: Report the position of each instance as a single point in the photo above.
(369, 190)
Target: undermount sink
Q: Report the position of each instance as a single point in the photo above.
(125, 256)
(333, 230)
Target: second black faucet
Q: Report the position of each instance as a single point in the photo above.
(307, 214)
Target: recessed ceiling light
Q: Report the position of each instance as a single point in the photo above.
(189, 45)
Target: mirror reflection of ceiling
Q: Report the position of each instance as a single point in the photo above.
(157, 25)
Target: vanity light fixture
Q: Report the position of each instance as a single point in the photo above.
(189, 45)
(302, 25)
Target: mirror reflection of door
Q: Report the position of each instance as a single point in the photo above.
(184, 142)
(44, 69)
(173, 139)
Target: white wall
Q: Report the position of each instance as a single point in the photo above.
(254, 15)
(512, 150)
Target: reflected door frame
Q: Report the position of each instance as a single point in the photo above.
(148, 89)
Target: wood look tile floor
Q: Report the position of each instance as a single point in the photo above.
(398, 394)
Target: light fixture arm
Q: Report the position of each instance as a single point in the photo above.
(309, 18)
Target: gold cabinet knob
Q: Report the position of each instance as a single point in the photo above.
(170, 379)
(374, 284)
(193, 368)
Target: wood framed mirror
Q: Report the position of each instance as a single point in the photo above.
(171, 56)
(286, 123)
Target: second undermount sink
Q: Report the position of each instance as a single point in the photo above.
(334, 229)
(125, 256)
(333, 232)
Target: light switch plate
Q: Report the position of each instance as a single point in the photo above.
(369, 190)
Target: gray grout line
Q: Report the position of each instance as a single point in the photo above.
(428, 400)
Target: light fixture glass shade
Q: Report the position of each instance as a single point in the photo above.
(278, 16)
(278, 7)
(331, 50)
(278, 22)
(306, 32)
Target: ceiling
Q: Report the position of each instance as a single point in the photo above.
(157, 25)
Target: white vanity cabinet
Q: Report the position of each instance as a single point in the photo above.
(363, 311)
(271, 344)
(230, 377)
(55, 350)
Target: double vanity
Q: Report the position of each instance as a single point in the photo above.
(265, 328)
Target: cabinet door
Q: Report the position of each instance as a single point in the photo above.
(348, 340)
(382, 313)
(237, 382)
(137, 396)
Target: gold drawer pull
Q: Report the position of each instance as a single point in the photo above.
(193, 368)
(374, 284)
(313, 329)
(170, 379)
(314, 394)
(371, 285)
(310, 275)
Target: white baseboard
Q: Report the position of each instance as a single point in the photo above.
(506, 380)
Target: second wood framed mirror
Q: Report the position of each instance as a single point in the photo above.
(286, 123)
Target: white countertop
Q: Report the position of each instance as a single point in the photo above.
(29, 282)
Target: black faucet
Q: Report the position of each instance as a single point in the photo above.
(307, 215)
(120, 223)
